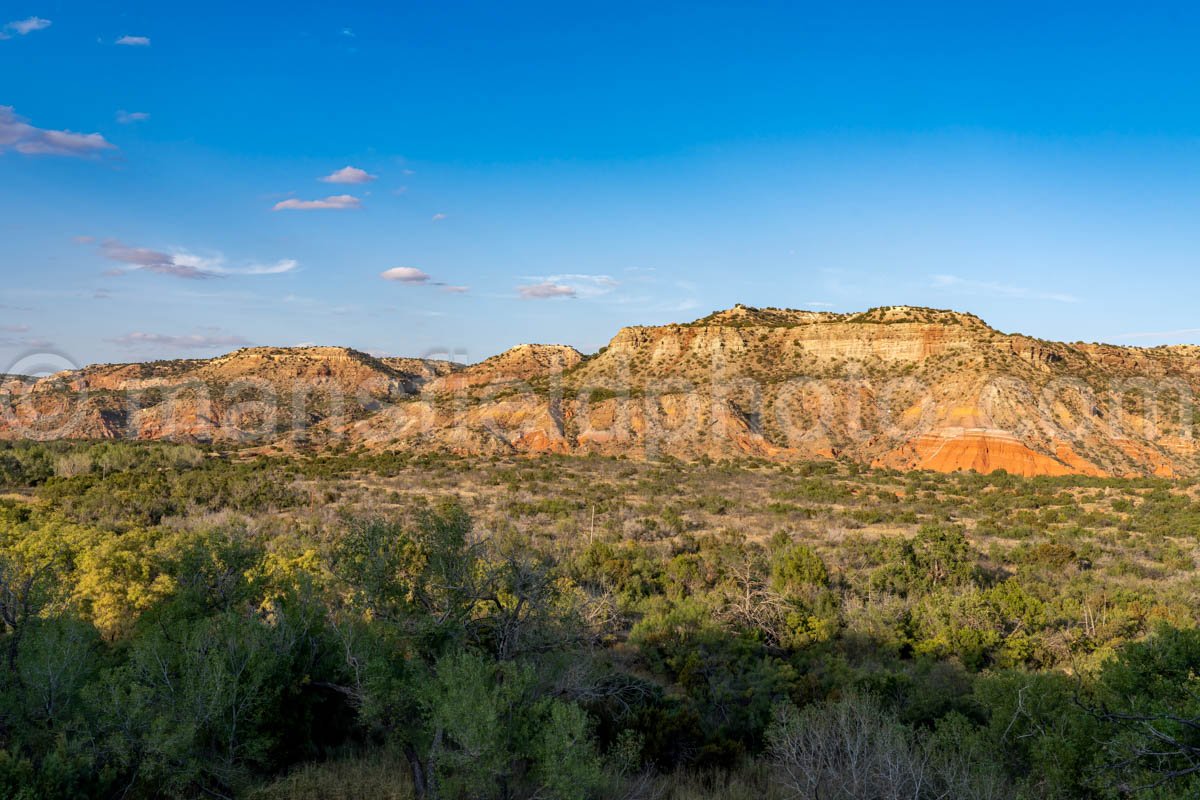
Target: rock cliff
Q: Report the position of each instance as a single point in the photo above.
(900, 387)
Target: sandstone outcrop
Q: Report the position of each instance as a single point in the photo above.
(525, 362)
(900, 387)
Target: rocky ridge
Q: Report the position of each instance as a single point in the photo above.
(898, 386)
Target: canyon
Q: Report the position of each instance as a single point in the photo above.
(894, 387)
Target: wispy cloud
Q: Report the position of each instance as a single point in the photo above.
(567, 285)
(546, 290)
(417, 277)
(337, 201)
(348, 175)
(14, 328)
(142, 258)
(182, 264)
(26, 342)
(134, 41)
(644, 289)
(194, 341)
(277, 268)
(587, 285)
(818, 304)
(993, 289)
(23, 27)
(128, 117)
(405, 275)
(438, 217)
(17, 134)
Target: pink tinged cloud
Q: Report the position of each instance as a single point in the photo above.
(405, 275)
(182, 265)
(134, 41)
(142, 258)
(337, 202)
(545, 291)
(349, 175)
(17, 134)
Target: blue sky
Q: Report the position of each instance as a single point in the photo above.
(551, 172)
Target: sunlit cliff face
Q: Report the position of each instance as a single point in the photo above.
(902, 387)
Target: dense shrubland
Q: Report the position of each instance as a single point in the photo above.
(180, 622)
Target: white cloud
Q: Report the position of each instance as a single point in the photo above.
(337, 201)
(278, 268)
(134, 41)
(348, 175)
(818, 304)
(17, 134)
(195, 341)
(568, 285)
(416, 277)
(14, 328)
(994, 289)
(546, 290)
(23, 27)
(600, 283)
(215, 265)
(439, 217)
(182, 264)
(127, 117)
(405, 275)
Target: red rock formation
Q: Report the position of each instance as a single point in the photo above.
(898, 386)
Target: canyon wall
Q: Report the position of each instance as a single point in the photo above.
(900, 387)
